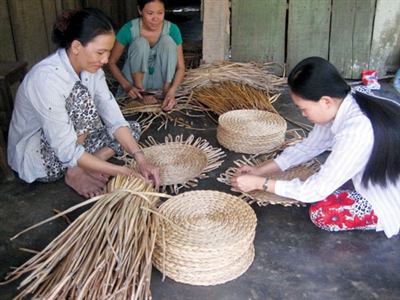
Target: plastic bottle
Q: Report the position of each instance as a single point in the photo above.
(396, 81)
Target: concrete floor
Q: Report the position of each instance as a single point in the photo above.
(293, 258)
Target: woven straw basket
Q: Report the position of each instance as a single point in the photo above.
(206, 237)
(303, 172)
(251, 131)
(263, 198)
(181, 162)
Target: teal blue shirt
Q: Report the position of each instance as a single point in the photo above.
(125, 37)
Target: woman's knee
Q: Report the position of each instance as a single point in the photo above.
(139, 47)
(167, 43)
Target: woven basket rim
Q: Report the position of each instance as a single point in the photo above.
(271, 123)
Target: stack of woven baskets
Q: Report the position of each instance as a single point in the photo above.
(206, 237)
(251, 131)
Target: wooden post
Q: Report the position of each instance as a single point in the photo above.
(386, 37)
(216, 30)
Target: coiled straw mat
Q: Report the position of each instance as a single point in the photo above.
(207, 237)
(180, 161)
(263, 198)
(251, 131)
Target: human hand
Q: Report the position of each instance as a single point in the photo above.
(140, 176)
(246, 183)
(168, 103)
(150, 172)
(245, 169)
(134, 92)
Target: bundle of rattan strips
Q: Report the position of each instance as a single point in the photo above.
(262, 198)
(181, 162)
(251, 131)
(106, 253)
(207, 237)
(145, 115)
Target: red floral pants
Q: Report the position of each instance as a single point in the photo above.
(343, 210)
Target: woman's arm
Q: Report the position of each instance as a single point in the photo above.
(92, 163)
(115, 55)
(129, 144)
(248, 178)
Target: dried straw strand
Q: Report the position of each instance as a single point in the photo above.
(260, 76)
(104, 254)
(229, 96)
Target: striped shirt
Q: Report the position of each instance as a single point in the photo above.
(40, 106)
(350, 135)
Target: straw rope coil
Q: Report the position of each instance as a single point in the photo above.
(251, 131)
(208, 238)
(181, 162)
(303, 172)
(106, 253)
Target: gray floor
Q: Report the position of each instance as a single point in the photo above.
(293, 258)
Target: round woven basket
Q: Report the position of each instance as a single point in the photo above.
(181, 162)
(251, 131)
(264, 198)
(178, 163)
(302, 172)
(205, 238)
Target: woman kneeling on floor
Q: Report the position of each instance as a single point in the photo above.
(57, 123)
(154, 57)
(358, 187)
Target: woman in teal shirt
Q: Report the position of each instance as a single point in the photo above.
(155, 56)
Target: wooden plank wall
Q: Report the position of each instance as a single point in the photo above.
(7, 49)
(351, 31)
(353, 34)
(26, 25)
(262, 39)
(308, 30)
(386, 37)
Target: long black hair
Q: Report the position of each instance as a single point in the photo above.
(83, 25)
(315, 77)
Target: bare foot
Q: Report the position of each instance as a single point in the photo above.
(149, 99)
(83, 183)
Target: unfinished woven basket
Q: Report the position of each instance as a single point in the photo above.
(251, 131)
(181, 161)
(207, 237)
(262, 198)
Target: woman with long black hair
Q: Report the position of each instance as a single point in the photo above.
(358, 186)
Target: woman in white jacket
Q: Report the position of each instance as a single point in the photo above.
(65, 119)
(358, 186)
